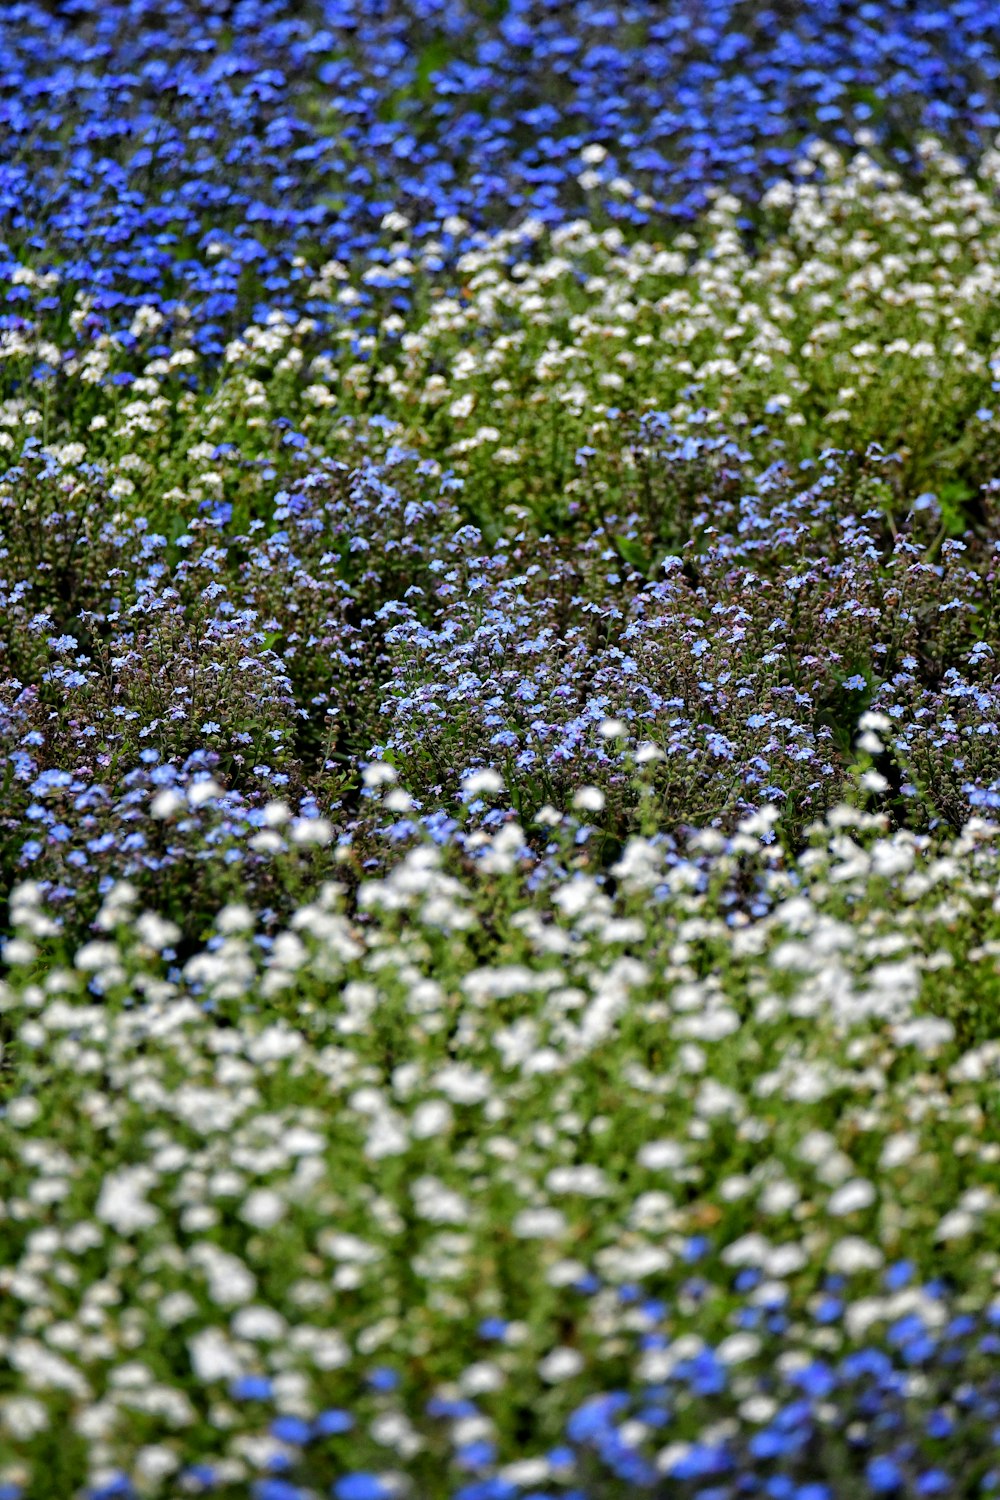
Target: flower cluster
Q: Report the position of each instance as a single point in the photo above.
(363, 618)
(653, 1193)
(213, 159)
(499, 719)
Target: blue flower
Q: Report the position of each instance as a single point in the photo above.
(250, 1388)
(360, 1486)
(276, 1489)
(493, 1328)
(933, 1482)
(332, 1423)
(884, 1475)
(291, 1429)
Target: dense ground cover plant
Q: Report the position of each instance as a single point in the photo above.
(498, 722)
(354, 1201)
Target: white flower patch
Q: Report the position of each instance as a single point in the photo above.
(122, 1200)
(213, 1357)
(539, 1224)
(276, 1173)
(851, 1197)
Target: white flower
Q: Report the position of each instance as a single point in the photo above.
(662, 1156)
(122, 1203)
(485, 783)
(738, 1348)
(586, 1179)
(852, 1255)
(785, 1260)
(288, 951)
(156, 932)
(778, 1197)
(851, 1197)
(176, 1307)
(641, 863)
(230, 1282)
(267, 841)
(386, 1137)
(96, 955)
(561, 1364)
(307, 831)
(437, 1203)
(758, 1409)
(258, 1323)
(525, 1472)
(166, 803)
(18, 950)
(23, 1112)
(378, 773)
(234, 918)
(202, 791)
(301, 1141)
(928, 1034)
(45, 1370)
(539, 1224)
(155, 1462)
(588, 799)
(957, 1225)
(579, 893)
(977, 1199)
(432, 1117)
(750, 1250)
(891, 858)
(213, 1357)
(462, 1084)
(22, 1416)
(898, 1150)
(714, 1099)
(672, 1456)
(263, 1208)
(760, 823)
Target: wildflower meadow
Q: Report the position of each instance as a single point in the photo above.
(500, 749)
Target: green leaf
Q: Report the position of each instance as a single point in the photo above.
(634, 553)
(434, 57)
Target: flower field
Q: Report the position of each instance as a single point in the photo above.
(500, 750)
